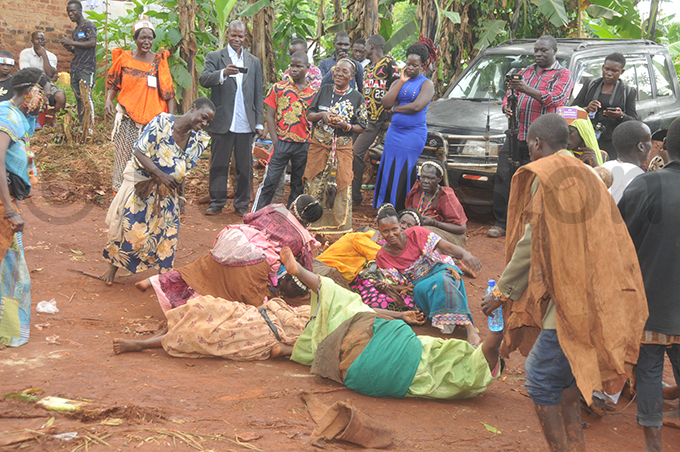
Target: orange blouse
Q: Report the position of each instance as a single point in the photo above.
(130, 78)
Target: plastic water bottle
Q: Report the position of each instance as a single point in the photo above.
(496, 317)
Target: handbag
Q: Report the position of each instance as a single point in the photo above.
(17, 186)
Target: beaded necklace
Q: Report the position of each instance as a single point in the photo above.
(422, 210)
(343, 94)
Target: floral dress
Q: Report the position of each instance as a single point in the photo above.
(151, 224)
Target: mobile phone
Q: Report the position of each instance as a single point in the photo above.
(611, 108)
(243, 70)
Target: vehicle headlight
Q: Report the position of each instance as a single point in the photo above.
(478, 148)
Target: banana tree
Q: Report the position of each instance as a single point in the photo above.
(223, 8)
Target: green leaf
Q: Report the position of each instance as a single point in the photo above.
(602, 32)
(175, 36)
(255, 8)
(224, 8)
(342, 26)
(489, 33)
(79, 253)
(452, 16)
(491, 428)
(181, 76)
(21, 396)
(553, 10)
(49, 423)
(400, 35)
(674, 49)
(597, 11)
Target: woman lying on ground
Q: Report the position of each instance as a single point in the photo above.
(438, 206)
(349, 342)
(243, 264)
(143, 218)
(422, 258)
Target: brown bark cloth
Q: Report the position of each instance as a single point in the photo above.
(247, 284)
(582, 258)
(6, 231)
(343, 421)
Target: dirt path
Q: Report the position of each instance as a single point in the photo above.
(71, 356)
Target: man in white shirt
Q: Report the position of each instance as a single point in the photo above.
(39, 57)
(632, 141)
(234, 77)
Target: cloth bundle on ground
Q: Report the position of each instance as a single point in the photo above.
(346, 342)
(345, 422)
(584, 260)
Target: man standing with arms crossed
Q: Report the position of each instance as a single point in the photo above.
(543, 86)
(234, 77)
(380, 73)
(39, 57)
(84, 62)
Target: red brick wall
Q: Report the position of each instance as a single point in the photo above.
(20, 18)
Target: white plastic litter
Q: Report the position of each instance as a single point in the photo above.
(66, 436)
(48, 307)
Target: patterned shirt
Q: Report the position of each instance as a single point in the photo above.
(377, 81)
(83, 59)
(291, 110)
(313, 76)
(554, 83)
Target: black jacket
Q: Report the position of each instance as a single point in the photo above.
(623, 97)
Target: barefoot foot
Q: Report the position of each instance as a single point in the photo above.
(289, 261)
(121, 346)
(280, 349)
(143, 285)
(671, 419)
(109, 274)
(472, 336)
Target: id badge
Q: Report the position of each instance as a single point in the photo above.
(81, 35)
(151, 80)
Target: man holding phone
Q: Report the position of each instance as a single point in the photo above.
(234, 77)
(608, 101)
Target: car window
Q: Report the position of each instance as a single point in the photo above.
(585, 71)
(664, 85)
(637, 75)
(486, 79)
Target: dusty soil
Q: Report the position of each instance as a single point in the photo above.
(203, 404)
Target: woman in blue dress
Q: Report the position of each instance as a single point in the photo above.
(407, 99)
(17, 122)
(143, 218)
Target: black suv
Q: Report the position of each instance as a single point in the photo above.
(466, 126)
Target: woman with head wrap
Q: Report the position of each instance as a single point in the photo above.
(142, 81)
(17, 122)
(338, 112)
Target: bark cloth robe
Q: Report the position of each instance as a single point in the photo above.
(582, 258)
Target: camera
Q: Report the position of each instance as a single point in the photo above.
(599, 129)
(513, 76)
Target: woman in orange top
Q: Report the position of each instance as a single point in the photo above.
(142, 80)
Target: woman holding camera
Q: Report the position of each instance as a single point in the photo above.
(608, 101)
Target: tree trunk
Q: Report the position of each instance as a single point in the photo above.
(427, 16)
(188, 50)
(337, 7)
(372, 18)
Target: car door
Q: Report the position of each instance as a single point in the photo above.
(665, 89)
(637, 74)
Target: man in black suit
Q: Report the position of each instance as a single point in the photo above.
(234, 77)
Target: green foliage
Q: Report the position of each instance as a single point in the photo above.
(223, 10)
(294, 20)
(553, 11)
(614, 19)
(490, 33)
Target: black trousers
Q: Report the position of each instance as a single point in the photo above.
(504, 173)
(223, 144)
(361, 145)
(284, 152)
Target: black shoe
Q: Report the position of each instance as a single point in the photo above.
(240, 212)
(213, 210)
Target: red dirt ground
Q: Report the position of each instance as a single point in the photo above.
(222, 398)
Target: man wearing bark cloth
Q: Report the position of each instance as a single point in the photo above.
(572, 290)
